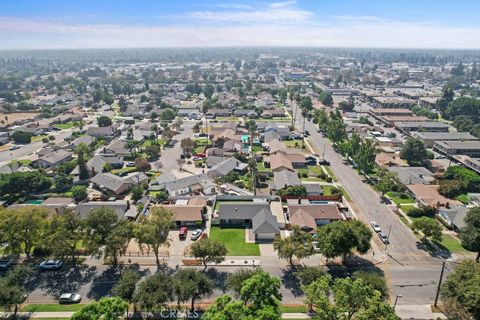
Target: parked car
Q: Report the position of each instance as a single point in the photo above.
(14, 147)
(69, 298)
(183, 233)
(311, 162)
(307, 133)
(50, 265)
(130, 164)
(383, 237)
(375, 226)
(324, 162)
(196, 234)
(5, 263)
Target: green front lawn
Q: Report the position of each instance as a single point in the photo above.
(293, 309)
(451, 244)
(47, 307)
(463, 198)
(261, 167)
(330, 173)
(65, 126)
(400, 198)
(234, 240)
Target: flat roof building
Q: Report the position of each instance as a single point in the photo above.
(453, 148)
(429, 138)
(424, 126)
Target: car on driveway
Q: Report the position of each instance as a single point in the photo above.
(50, 265)
(196, 234)
(375, 226)
(69, 298)
(183, 233)
(383, 237)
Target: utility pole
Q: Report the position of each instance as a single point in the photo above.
(439, 283)
(388, 237)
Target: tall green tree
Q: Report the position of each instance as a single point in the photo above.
(22, 229)
(105, 308)
(154, 292)
(462, 286)
(209, 251)
(152, 231)
(98, 226)
(339, 239)
(298, 244)
(117, 241)
(104, 121)
(470, 233)
(126, 285)
(414, 152)
(429, 227)
(236, 279)
(191, 284)
(65, 231)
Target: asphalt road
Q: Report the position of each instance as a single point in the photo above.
(410, 270)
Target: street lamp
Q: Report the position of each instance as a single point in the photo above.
(396, 300)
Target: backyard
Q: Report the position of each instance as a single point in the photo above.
(234, 240)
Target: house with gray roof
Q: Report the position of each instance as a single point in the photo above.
(195, 184)
(122, 208)
(223, 168)
(96, 164)
(454, 216)
(257, 216)
(118, 185)
(53, 159)
(285, 178)
(413, 175)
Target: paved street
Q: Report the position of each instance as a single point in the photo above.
(410, 270)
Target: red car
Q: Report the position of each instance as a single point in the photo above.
(183, 233)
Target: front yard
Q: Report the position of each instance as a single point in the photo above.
(400, 198)
(234, 240)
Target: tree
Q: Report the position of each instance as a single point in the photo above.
(298, 191)
(22, 137)
(307, 274)
(154, 292)
(463, 106)
(187, 145)
(348, 105)
(151, 231)
(98, 225)
(414, 152)
(142, 164)
(79, 193)
(306, 103)
(104, 121)
(298, 244)
(365, 156)
(62, 181)
(470, 233)
(374, 280)
(429, 227)
(126, 285)
(235, 280)
(452, 188)
(137, 192)
(346, 298)
(209, 251)
(469, 177)
(24, 183)
(117, 241)
(105, 308)
(12, 284)
(322, 120)
(462, 287)
(261, 290)
(191, 284)
(82, 166)
(65, 231)
(336, 130)
(152, 151)
(388, 181)
(167, 115)
(208, 91)
(326, 98)
(22, 229)
(340, 238)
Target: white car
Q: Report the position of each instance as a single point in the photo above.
(50, 265)
(70, 298)
(375, 226)
(315, 246)
(196, 234)
(384, 238)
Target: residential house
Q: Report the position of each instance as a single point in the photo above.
(454, 216)
(101, 132)
(427, 194)
(53, 159)
(413, 175)
(122, 208)
(221, 169)
(119, 185)
(285, 178)
(389, 159)
(257, 216)
(278, 162)
(186, 215)
(310, 216)
(195, 184)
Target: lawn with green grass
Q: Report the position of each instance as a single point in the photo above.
(293, 309)
(65, 126)
(261, 167)
(330, 173)
(451, 244)
(257, 148)
(234, 240)
(47, 307)
(400, 198)
(463, 198)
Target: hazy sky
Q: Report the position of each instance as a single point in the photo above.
(166, 23)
